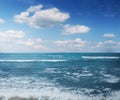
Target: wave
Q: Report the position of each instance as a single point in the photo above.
(17, 88)
(44, 94)
(32, 60)
(100, 57)
(52, 94)
(32, 88)
(110, 78)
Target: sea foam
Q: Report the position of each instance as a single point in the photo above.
(31, 88)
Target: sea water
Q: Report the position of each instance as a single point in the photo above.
(60, 76)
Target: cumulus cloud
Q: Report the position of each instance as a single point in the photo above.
(36, 43)
(8, 40)
(22, 18)
(106, 43)
(37, 17)
(76, 29)
(31, 42)
(1, 21)
(15, 41)
(107, 46)
(34, 8)
(109, 35)
(71, 44)
(11, 34)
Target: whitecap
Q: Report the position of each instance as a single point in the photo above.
(110, 78)
(44, 60)
(100, 57)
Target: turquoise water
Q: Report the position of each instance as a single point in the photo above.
(60, 76)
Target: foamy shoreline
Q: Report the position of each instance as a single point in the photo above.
(33, 98)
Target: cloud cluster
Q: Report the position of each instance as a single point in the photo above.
(108, 46)
(1, 21)
(11, 34)
(109, 35)
(71, 44)
(30, 42)
(33, 43)
(15, 40)
(37, 17)
(108, 43)
(76, 29)
(8, 40)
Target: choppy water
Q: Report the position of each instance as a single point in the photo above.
(60, 76)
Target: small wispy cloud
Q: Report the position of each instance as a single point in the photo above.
(2, 21)
(107, 43)
(67, 45)
(11, 34)
(36, 44)
(76, 29)
(107, 46)
(109, 35)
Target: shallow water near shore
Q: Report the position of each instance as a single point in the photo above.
(60, 76)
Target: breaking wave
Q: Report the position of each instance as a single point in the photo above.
(31, 88)
(100, 57)
(32, 60)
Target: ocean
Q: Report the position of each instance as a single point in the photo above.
(59, 76)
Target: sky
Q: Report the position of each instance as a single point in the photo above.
(59, 26)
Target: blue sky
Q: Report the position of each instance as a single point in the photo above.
(59, 26)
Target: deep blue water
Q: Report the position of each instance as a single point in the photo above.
(75, 76)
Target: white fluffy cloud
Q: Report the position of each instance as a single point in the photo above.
(1, 21)
(34, 8)
(107, 46)
(104, 44)
(109, 35)
(76, 29)
(11, 34)
(30, 42)
(36, 43)
(76, 44)
(15, 41)
(37, 17)
(8, 40)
